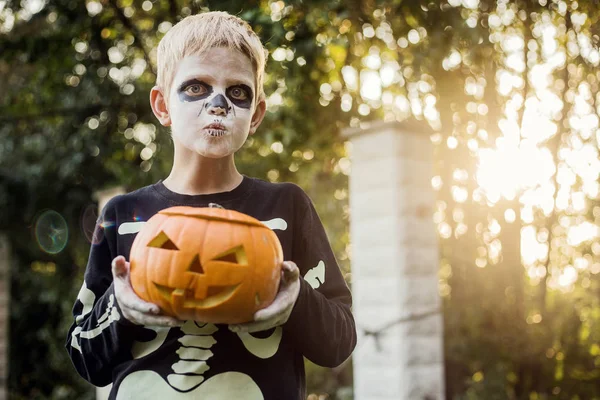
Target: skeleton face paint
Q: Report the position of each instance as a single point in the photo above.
(241, 96)
(194, 90)
(211, 103)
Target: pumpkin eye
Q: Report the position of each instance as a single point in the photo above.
(236, 255)
(162, 241)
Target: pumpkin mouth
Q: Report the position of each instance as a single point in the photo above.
(185, 297)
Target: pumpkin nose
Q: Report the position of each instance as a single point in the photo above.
(196, 266)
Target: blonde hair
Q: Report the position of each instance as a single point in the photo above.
(198, 33)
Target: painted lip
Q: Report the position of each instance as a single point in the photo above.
(217, 127)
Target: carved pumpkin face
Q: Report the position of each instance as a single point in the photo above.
(206, 264)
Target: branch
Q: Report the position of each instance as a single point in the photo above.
(173, 11)
(134, 31)
(527, 36)
(406, 318)
(553, 145)
(59, 112)
(68, 112)
(194, 7)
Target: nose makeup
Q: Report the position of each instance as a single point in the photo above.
(219, 101)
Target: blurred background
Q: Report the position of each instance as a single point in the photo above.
(507, 92)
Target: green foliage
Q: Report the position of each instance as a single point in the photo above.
(74, 118)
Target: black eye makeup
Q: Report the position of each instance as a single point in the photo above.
(240, 95)
(193, 90)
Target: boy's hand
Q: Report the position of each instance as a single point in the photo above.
(134, 309)
(278, 312)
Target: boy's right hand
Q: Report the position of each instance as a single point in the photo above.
(134, 309)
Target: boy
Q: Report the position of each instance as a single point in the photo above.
(210, 92)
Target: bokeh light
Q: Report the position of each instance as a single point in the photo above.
(51, 232)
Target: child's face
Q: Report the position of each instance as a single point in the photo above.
(211, 100)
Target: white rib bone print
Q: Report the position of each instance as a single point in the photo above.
(193, 354)
(187, 380)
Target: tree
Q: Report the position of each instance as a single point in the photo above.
(502, 80)
(511, 87)
(76, 119)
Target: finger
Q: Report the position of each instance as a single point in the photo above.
(289, 265)
(270, 313)
(152, 320)
(119, 267)
(140, 305)
(282, 304)
(128, 299)
(290, 272)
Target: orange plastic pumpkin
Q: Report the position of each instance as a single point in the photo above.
(206, 264)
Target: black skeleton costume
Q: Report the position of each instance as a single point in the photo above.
(207, 361)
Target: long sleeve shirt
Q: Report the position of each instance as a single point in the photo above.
(201, 360)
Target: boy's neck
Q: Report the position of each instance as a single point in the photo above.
(197, 175)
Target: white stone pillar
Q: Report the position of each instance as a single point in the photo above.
(4, 313)
(395, 264)
(103, 196)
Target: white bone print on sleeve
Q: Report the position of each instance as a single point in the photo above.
(87, 298)
(130, 227)
(276, 223)
(316, 276)
(110, 315)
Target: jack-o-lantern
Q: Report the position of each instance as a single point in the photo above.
(206, 264)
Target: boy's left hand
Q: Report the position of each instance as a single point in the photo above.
(278, 312)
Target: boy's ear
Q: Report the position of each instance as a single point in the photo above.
(259, 114)
(159, 106)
